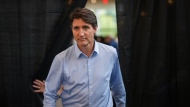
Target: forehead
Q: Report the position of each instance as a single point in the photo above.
(80, 22)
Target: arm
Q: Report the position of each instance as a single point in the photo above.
(40, 87)
(117, 86)
(53, 83)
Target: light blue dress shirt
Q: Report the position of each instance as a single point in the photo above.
(87, 80)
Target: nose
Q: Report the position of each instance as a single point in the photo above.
(81, 32)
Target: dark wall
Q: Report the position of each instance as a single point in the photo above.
(31, 33)
(154, 51)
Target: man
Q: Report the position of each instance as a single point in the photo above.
(88, 70)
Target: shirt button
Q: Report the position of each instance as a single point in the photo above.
(90, 94)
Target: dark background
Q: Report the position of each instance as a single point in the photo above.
(154, 49)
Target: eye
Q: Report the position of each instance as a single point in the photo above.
(85, 27)
(75, 28)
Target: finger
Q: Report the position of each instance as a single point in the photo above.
(36, 83)
(37, 91)
(35, 86)
(62, 88)
(39, 81)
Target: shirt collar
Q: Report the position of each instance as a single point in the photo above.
(78, 51)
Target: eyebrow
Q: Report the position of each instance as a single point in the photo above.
(86, 26)
(82, 26)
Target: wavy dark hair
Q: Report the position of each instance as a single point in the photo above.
(85, 14)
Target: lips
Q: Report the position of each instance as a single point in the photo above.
(81, 39)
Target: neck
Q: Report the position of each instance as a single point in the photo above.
(87, 50)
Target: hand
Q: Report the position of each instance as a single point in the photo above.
(60, 90)
(39, 85)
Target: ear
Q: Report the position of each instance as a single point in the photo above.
(95, 29)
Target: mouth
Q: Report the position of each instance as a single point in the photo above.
(81, 39)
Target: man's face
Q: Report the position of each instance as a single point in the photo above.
(83, 33)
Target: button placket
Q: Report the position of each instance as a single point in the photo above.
(90, 82)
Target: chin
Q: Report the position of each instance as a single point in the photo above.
(82, 44)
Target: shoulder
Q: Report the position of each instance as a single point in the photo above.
(104, 47)
(65, 53)
(107, 51)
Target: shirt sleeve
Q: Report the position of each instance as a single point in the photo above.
(117, 86)
(53, 83)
